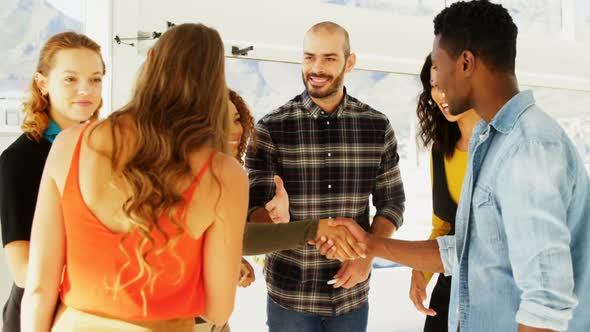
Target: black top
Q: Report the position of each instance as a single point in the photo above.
(21, 167)
(442, 203)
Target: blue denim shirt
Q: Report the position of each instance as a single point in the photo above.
(521, 251)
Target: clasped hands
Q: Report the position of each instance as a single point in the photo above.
(341, 238)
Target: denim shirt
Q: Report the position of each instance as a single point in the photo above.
(521, 252)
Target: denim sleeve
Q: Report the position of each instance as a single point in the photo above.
(533, 193)
(388, 193)
(448, 253)
(261, 164)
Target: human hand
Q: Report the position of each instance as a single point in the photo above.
(247, 276)
(418, 293)
(278, 206)
(337, 242)
(353, 227)
(353, 272)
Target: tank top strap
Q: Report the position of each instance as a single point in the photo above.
(75, 163)
(193, 187)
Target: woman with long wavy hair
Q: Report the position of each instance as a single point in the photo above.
(147, 213)
(65, 90)
(448, 136)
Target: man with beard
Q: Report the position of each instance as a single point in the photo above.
(333, 152)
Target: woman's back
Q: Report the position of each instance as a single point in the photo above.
(101, 243)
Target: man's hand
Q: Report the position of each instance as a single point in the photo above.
(337, 242)
(353, 272)
(278, 206)
(418, 293)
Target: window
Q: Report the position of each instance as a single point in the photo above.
(26, 26)
(23, 36)
(426, 8)
(266, 85)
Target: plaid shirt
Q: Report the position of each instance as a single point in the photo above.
(330, 164)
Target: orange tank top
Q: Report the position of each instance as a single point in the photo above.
(94, 258)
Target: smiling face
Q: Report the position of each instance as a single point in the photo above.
(325, 63)
(450, 80)
(73, 85)
(440, 100)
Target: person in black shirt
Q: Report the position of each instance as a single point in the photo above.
(65, 90)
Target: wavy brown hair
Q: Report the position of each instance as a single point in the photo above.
(247, 122)
(36, 107)
(178, 106)
(434, 128)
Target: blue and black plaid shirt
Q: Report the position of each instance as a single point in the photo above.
(330, 164)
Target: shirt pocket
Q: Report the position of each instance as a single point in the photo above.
(486, 216)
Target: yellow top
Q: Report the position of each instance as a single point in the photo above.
(455, 168)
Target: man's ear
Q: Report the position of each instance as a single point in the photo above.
(350, 62)
(467, 62)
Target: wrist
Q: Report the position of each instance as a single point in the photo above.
(372, 246)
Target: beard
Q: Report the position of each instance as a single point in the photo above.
(325, 91)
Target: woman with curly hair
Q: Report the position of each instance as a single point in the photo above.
(65, 90)
(448, 136)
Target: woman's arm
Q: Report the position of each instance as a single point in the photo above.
(264, 238)
(47, 252)
(223, 241)
(17, 258)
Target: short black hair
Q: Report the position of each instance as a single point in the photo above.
(482, 27)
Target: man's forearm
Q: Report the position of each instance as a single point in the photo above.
(260, 215)
(419, 255)
(381, 226)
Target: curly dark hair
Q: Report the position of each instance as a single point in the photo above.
(484, 28)
(247, 121)
(434, 128)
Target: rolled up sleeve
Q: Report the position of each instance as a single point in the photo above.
(388, 194)
(448, 253)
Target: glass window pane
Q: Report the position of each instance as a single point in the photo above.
(582, 20)
(536, 17)
(570, 109)
(427, 8)
(267, 85)
(23, 36)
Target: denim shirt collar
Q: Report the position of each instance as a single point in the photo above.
(506, 118)
(52, 131)
(315, 110)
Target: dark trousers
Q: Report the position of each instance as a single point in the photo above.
(439, 302)
(11, 312)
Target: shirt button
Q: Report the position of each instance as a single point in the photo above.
(329, 186)
(329, 154)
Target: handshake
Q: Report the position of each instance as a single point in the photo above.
(341, 238)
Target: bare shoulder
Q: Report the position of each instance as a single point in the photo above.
(229, 170)
(68, 137)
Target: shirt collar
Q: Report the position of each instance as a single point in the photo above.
(52, 131)
(314, 110)
(506, 118)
